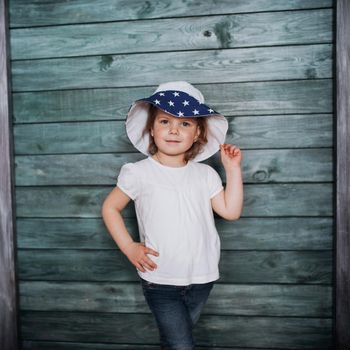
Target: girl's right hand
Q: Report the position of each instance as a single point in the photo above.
(136, 253)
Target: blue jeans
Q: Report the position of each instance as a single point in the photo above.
(176, 310)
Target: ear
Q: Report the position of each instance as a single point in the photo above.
(197, 134)
(198, 131)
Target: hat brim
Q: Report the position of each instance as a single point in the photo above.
(138, 115)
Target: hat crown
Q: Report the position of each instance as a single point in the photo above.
(183, 86)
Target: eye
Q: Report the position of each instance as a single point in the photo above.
(186, 123)
(163, 121)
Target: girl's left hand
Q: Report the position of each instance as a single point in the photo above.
(231, 155)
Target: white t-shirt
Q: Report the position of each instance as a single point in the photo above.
(175, 218)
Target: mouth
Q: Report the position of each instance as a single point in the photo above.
(172, 141)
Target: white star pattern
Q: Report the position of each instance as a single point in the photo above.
(157, 102)
(210, 110)
(195, 112)
(171, 103)
(180, 114)
(161, 94)
(185, 103)
(176, 93)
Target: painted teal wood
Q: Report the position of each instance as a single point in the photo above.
(277, 233)
(42, 345)
(230, 65)
(231, 99)
(213, 32)
(279, 131)
(275, 290)
(226, 299)
(293, 333)
(263, 166)
(245, 266)
(25, 13)
(303, 199)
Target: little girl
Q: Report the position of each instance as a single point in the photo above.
(174, 197)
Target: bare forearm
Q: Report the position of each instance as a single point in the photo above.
(234, 191)
(116, 227)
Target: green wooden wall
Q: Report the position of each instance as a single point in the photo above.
(267, 66)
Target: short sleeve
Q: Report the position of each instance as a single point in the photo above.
(214, 182)
(127, 180)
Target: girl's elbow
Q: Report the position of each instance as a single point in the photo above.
(233, 217)
(105, 207)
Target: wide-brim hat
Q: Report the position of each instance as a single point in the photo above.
(179, 99)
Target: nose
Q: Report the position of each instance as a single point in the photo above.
(173, 128)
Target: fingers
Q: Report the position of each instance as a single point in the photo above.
(151, 251)
(145, 262)
(149, 264)
(230, 149)
(139, 267)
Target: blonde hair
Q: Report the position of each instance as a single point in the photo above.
(196, 147)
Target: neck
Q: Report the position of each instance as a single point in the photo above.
(172, 161)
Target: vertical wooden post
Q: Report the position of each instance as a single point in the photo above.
(8, 295)
(342, 294)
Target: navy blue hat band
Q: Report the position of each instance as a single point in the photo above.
(179, 104)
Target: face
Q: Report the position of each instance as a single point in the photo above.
(172, 135)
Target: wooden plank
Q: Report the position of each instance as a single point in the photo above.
(231, 99)
(225, 299)
(42, 345)
(205, 32)
(239, 331)
(296, 333)
(8, 290)
(270, 200)
(302, 267)
(342, 279)
(25, 13)
(300, 233)
(51, 345)
(269, 132)
(219, 66)
(262, 166)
